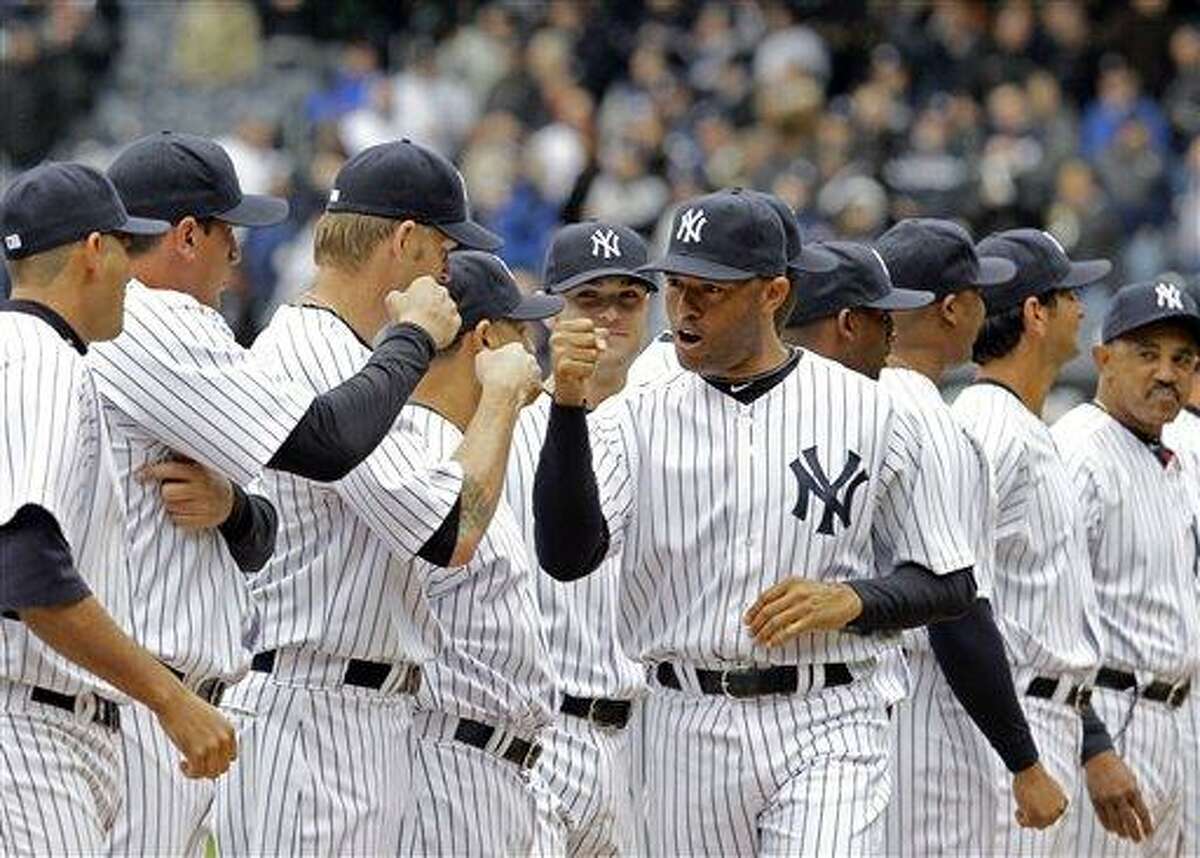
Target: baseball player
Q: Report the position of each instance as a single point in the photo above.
(64, 590)
(486, 700)
(746, 491)
(176, 383)
(343, 628)
(586, 756)
(1138, 500)
(1043, 592)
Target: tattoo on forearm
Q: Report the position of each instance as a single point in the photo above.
(478, 504)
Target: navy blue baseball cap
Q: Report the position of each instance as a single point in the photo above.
(582, 252)
(861, 279)
(483, 288)
(403, 180)
(1142, 304)
(170, 176)
(806, 258)
(729, 235)
(58, 203)
(939, 255)
(1042, 267)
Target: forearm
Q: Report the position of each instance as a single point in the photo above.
(250, 530)
(1096, 739)
(970, 652)
(912, 596)
(344, 424)
(84, 633)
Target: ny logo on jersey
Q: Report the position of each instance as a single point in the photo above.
(690, 224)
(813, 480)
(607, 242)
(1168, 296)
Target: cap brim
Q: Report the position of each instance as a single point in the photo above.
(814, 260)
(902, 299)
(693, 266)
(143, 226)
(256, 210)
(1085, 272)
(471, 236)
(538, 305)
(994, 270)
(1188, 320)
(596, 274)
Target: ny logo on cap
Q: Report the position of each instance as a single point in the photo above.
(814, 481)
(690, 224)
(12, 242)
(1168, 296)
(606, 242)
(334, 194)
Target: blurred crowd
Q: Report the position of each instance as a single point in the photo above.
(1080, 117)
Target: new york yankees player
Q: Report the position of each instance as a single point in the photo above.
(1042, 590)
(746, 516)
(1139, 510)
(325, 709)
(175, 383)
(487, 699)
(64, 587)
(586, 756)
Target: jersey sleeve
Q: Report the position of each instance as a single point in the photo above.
(917, 520)
(615, 463)
(178, 373)
(1007, 456)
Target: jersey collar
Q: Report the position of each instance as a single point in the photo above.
(746, 391)
(50, 317)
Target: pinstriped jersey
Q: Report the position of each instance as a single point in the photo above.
(1045, 599)
(968, 490)
(656, 361)
(579, 618)
(494, 666)
(713, 501)
(1139, 517)
(1183, 433)
(176, 382)
(340, 582)
(54, 454)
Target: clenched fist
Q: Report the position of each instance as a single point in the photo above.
(510, 369)
(195, 497)
(1040, 799)
(201, 733)
(575, 348)
(428, 305)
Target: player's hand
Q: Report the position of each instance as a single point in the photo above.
(1040, 799)
(797, 605)
(1116, 797)
(575, 348)
(201, 733)
(428, 305)
(196, 497)
(509, 370)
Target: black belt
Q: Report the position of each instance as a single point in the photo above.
(1078, 697)
(1172, 694)
(209, 690)
(107, 713)
(600, 711)
(359, 673)
(519, 752)
(740, 684)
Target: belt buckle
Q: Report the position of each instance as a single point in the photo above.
(591, 714)
(1177, 694)
(531, 756)
(1083, 697)
(85, 707)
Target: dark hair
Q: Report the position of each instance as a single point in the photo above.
(1001, 333)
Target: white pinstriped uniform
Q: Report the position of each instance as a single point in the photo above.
(1183, 433)
(494, 669)
(176, 382)
(588, 767)
(1141, 520)
(703, 494)
(324, 767)
(60, 774)
(947, 791)
(656, 361)
(1043, 593)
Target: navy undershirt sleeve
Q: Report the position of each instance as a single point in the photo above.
(439, 548)
(911, 596)
(36, 569)
(250, 530)
(570, 532)
(970, 651)
(343, 425)
(1096, 739)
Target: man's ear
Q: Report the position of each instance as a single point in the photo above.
(1034, 313)
(185, 238)
(1101, 355)
(482, 335)
(775, 293)
(91, 251)
(847, 326)
(402, 235)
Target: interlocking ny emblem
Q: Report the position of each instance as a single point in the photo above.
(1168, 296)
(690, 224)
(813, 480)
(606, 241)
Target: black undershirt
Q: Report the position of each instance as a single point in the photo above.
(746, 390)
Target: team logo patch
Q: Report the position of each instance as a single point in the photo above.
(1168, 296)
(814, 482)
(334, 194)
(606, 242)
(12, 242)
(691, 223)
